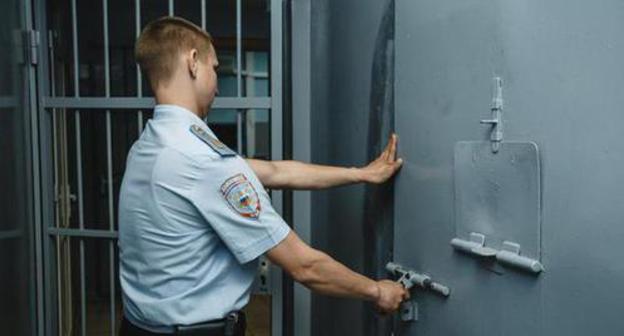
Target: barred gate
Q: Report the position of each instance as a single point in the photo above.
(94, 103)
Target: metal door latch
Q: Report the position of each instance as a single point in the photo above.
(27, 43)
(496, 136)
(509, 254)
(409, 311)
(263, 284)
(409, 279)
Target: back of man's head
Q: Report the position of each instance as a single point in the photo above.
(162, 41)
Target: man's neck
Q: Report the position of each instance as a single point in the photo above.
(169, 98)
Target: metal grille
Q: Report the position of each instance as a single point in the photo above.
(250, 110)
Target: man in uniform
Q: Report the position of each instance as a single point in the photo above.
(194, 217)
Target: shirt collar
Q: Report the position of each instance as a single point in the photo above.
(175, 112)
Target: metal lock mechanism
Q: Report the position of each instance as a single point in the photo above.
(409, 279)
(496, 135)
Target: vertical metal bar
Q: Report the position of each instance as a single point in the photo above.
(75, 48)
(249, 119)
(83, 291)
(137, 26)
(276, 134)
(41, 181)
(109, 170)
(302, 98)
(239, 80)
(55, 161)
(83, 296)
(106, 49)
(203, 26)
(276, 73)
(111, 246)
(28, 100)
(54, 120)
(239, 131)
(203, 14)
(171, 12)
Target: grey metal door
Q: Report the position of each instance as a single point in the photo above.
(547, 177)
(17, 180)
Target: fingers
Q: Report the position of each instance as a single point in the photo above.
(385, 155)
(398, 163)
(392, 147)
(385, 311)
(406, 295)
(381, 311)
(389, 153)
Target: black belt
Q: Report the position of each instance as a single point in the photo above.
(233, 325)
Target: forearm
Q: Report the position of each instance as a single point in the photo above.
(298, 175)
(327, 276)
(319, 272)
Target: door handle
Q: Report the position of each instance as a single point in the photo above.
(509, 254)
(409, 278)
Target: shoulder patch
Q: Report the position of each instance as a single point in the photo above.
(241, 196)
(216, 145)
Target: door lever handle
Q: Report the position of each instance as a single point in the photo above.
(409, 278)
(509, 254)
(476, 246)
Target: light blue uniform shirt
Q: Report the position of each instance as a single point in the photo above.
(192, 223)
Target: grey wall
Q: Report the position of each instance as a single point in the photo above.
(344, 35)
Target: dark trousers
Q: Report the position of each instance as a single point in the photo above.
(129, 329)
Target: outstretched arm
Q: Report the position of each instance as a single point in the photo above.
(299, 175)
(320, 273)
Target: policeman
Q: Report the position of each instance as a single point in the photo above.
(194, 217)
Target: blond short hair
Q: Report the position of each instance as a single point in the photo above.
(160, 43)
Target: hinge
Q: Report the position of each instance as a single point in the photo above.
(31, 41)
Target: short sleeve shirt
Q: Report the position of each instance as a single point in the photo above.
(193, 219)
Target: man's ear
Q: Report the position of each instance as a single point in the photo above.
(193, 65)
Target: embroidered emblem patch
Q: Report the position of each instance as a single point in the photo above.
(211, 141)
(241, 196)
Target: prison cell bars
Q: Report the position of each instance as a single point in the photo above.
(61, 192)
(58, 195)
(239, 82)
(240, 103)
(80, 196)
(276, 125)
(109, 172)
(137, 27)
(203, 14)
